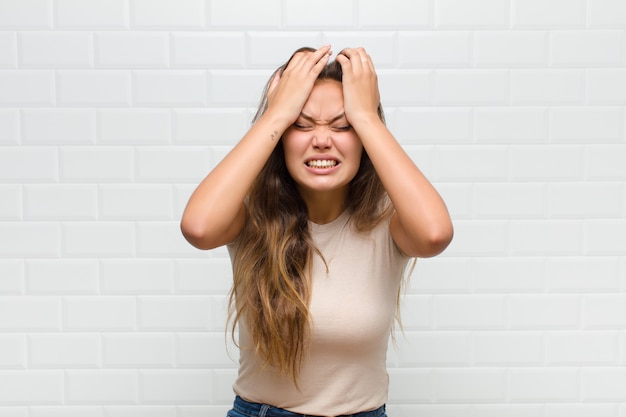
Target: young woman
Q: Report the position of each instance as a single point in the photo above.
(321, 210)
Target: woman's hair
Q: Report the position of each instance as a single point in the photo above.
(272, 262)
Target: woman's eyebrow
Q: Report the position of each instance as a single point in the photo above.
(334, 119)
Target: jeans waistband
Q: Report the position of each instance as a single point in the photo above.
(264, 410)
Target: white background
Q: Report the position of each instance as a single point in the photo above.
(111, 111)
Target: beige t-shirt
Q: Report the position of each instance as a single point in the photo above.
(352, 309)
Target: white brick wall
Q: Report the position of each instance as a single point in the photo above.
(112, 110)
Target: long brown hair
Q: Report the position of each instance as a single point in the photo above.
(271, 268)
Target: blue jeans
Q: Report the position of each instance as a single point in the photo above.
(243, 408)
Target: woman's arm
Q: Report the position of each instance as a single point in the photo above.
(421, 225)
(215, 213)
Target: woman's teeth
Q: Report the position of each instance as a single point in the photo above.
(324, 163)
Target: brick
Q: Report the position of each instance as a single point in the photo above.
(134, 276)
(508, 274)
(170, 88)
(471, 163)
(548, 13)
(223, 380)
(433, 126)
(604, 311)
(582, 348)
(271, 49)
(204, 276)
(60, 202)
(135, 127)
(175, 386)
(584, 200)
(434, 49)
(30, 239)
(603, 384)
(191, 313)
(58, 127)
(605, 237)
(13, 350)
(61, 276)
(546, 237)
(206, 350)
(79, 14)
(586, 125)
(394, 14)
(209, 126)
(27, 313)
(8, 411)
(219, 313)
(588, 274)
(405, 87)
(99, 239)
(132, 50)
(516, 125)
(247, 14)
(380, 46)
(342, 15)
(544, 311)
(136, 202)
(441, 275)
(93, 88)
(606, 86)
(12, 273)
(96, 164)
(510, 200)
(510, 48)
(184, 14)
(605, 162)
(141, 411)
(435, 349)
(509, 410)
(64, 351)
(99, 313)
(31, 387)
(156, 239)
(581, 410)
(606, 13)
(64, 411)
(237, 88)
(9, 127)
(472, 14)
(479, 237)
(471, 87)
(10, 202)
(458, 199)
(469, 311)
(27, 14)
(101, 386)
(8, 44)
(547, 163)
(180, 164)
(506, 348)
(541, 385)
(56, 50)
(470, 385)
(208, 50)
(26, 88)
(138, 351)
(408, 385)
(586, 48)
(550, 86)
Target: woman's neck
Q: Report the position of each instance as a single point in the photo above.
(324, 207)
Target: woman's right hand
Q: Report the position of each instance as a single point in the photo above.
(289, 89)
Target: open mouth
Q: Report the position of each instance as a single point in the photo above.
(322, 163)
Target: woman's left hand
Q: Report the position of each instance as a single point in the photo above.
(360, 85)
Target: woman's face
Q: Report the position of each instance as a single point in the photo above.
(322, 151)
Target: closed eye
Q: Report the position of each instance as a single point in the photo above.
(342, 128)
(301, 127)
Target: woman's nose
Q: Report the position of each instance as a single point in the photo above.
(322, 139)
